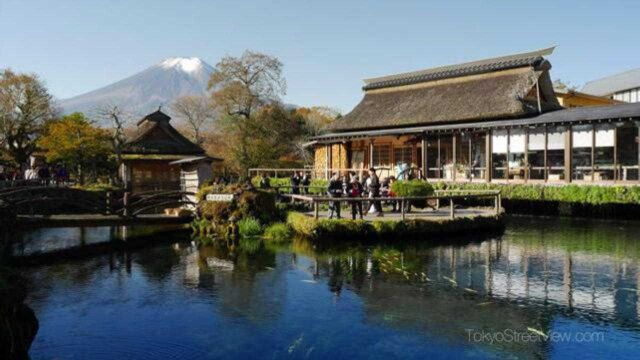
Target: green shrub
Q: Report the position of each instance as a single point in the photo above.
(318, 186)
(582, 194)
(278, 232)
(301, 224)
(412, 188)
(249, 227)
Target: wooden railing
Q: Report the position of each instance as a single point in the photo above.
(449, 195)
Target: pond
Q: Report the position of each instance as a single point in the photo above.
(546, 288)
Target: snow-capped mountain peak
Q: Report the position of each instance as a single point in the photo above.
(189, 65)
(143, 92)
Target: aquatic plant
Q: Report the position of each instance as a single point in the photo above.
(278, 233)
(308, 227)
(249, 227)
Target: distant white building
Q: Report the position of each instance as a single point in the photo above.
(623, 86)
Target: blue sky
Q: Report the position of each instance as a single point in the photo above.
(327, 46)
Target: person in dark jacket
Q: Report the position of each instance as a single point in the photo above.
(334, 190)
(295, 183)
(265, 182)
(354, 190)
(306, 182)
(374, 191)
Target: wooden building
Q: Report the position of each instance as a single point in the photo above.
(153, 159)
(492, 120)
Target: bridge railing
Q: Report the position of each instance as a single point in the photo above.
(452, 196)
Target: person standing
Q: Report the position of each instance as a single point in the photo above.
(295, 183)
(265, 182)
(374, 191)
(335, 191)
(306, 182)
(355, 190)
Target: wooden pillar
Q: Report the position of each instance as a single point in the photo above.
(488, 157)
(545, 172)
(370, 153)
(451, 209)
(568, 142)
(125, 202)
(526, 155)
(402, 209)
(424, 156)
(593, 153)
(316, 210)
(327, 155)
(454, 143)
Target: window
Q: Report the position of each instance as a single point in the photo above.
(499, 153)
(516, 154)
(478, 155)
(582, 138)
(627, 151)
(555, 153)
(433, 158)
(446, 156)
(381, 155)
(603, 152)
(463, 148)
(535, 155)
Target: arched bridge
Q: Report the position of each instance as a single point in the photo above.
(42, 200)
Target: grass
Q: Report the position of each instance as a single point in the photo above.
(278, 233)
(249, 227)
(388, 229)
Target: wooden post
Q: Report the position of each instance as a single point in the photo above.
(437, 203)
(125, 202)
(108, 198)
(499, 203)
(488, 157)
(402, 208)
(451, 210)
(568, 147)
(424, 157)
(316, 210)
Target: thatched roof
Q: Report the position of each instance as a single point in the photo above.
(157, 136)
(488, 89)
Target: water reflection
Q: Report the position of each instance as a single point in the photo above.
(409, 300)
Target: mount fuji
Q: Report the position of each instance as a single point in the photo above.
(144, 92)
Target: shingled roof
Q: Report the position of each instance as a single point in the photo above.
(157, 136)
(503, 87)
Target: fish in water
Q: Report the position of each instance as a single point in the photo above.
(470, 290)
(450, 280)
(485, 303)
(539, 332)
(310, 281)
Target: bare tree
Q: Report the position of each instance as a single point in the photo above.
(241, 85)
(197, 112)
(117, 119)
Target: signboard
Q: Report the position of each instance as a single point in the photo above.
(220, 197)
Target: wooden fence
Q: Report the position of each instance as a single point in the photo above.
(450, 195)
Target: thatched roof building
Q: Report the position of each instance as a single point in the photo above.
(496, 119)
(156, 136)
(154, 158)
(504, 87)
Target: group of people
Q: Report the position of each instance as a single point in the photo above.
(354, 187)
(44, 175)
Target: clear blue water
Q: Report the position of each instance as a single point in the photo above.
(576, 282)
